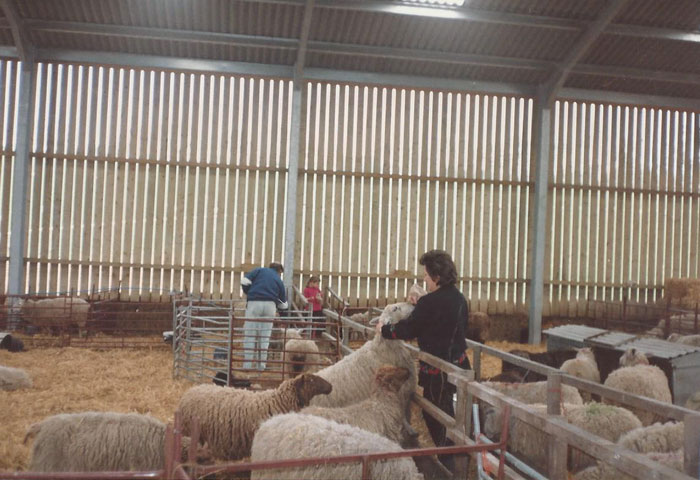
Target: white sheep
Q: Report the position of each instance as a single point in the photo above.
(693, 402)
(301, 355)
(583, 366)
(297, 435)
(14, 378)
(529, 393)
(639, 378)
(666, 437)
(605, 421)
(229, 417)
(673, 460)
(353, 376)
(59, 312)
(98, 441)
(692, 340)
(381, 413)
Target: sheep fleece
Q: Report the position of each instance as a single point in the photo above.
(296, 435)
(97, 441)
(645, 380)
(14, 378)
(229, 417)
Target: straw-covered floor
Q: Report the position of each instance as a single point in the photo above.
(70, 380)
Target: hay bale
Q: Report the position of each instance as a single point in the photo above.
(681, 293)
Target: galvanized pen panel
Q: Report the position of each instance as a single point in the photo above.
(624, 213)
(388, 174)
(154, 181)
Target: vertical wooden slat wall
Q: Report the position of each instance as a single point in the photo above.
(158, 180)
(9, 71)
(153, 181)
(624, 201)
(389, 173)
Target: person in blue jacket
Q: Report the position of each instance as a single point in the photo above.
(266, 294)
(439, 323)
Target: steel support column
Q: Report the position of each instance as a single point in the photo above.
(290, 234)
(541, 138)
(20, 178)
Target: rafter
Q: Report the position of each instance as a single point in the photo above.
(19, 32)
(304, 39)
(561, 71)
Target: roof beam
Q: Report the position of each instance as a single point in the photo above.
(304, 39)
(561, 71)
(347, 49)
(19, 32)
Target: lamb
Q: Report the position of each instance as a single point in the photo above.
(639, 378)
(229, 417)
(296, 435)
(583, 366)
(692, 340)
(381, 413)
(667, 437)
(52, 313)
(693, 402)
(14, 378)
(301, 355)
(98, 441)
(353, 376)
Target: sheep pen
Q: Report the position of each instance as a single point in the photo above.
(68, 380)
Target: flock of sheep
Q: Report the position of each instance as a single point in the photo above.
(357, 406)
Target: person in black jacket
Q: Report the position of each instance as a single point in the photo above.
(439, 322)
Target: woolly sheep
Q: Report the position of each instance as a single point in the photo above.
(605, 421)
(14, 378)
(97, 441)
(529, 393)
(673, 460)
(553, 359)
(56, 312)
(381, 413)
(297, 435)
(640, 379)
(228, 417)
(583, 366)
(692, 340)
(301, 355)
(666, 437)
(353, 376)
(693, 402)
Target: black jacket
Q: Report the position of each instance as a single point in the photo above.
(438, 322)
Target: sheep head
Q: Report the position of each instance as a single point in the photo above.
(391, 378)
(633, 357)
(585, 353)
(394, 313)
(307, 386)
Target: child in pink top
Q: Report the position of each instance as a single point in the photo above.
(312, 293)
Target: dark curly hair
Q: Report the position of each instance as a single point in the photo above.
(439, 265)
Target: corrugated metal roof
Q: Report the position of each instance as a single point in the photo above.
(611, 339)
(573, 332)
(661, 348)
(501, 46)
(682, 14)
(653, 54)
(577, 9)
(445, 35)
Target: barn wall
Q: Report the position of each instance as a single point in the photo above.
(123, 194)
